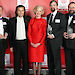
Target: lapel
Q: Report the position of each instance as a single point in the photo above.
(72, 21)
(25, 21)
(15, 27)
(56, 16)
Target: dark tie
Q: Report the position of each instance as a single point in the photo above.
(51, 18)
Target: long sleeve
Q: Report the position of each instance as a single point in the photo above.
(10, 34)
(29, 30)
(44, 31)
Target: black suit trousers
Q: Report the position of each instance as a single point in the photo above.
(2, 57)
(70, 61)
(21, 52)
(54, 58)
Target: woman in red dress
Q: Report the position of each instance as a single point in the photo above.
(36, 35)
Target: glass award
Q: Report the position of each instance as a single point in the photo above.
(49, 30)
(69, 31)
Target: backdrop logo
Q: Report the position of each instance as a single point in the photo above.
(23, 2)
(63, 4)
(63, 1)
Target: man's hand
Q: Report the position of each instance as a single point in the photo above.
(72, 36)
(50, 36)
(65, 35)
(11, 49)
(1, 36)
(5, 35)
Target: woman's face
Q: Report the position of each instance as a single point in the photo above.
(38, 12)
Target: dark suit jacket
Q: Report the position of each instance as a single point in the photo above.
(70, 43)
(12, 29)
(58, 27)
(3, 42)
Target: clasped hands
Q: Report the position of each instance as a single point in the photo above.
(35, 45)
(71, 36)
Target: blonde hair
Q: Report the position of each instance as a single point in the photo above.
(36, 7)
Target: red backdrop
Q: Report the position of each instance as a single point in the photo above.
(9, 11)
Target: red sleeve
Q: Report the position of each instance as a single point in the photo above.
(29, 30)
(44, 31)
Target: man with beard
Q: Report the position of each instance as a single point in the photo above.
(3, 41)
(69, 40)
(56, 23)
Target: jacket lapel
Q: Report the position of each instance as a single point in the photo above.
(56, 16)
(15, 26)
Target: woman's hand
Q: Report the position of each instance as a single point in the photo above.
(35, 45)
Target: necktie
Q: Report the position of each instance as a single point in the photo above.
(51, 18)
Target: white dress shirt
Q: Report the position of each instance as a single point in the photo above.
(20, 32)
(54, 14)
(1, 27)
(69, 20)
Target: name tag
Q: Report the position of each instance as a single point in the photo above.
(73, 21)
(57, 20)
(4, 23)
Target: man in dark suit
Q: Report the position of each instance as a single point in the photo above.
(56, 23)
(18, 27)
(3, 41)
(69, 40)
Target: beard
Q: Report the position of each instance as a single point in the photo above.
(74, 12)
(53, 9)
(71, 12)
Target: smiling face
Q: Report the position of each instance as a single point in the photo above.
(38, 12)
(71, 8)
(20, 11)
(53, 6)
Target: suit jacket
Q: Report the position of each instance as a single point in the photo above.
(70, 43)
(58, 26)
(3, 42)
(12, 29)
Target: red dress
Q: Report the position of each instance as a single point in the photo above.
(37, 34)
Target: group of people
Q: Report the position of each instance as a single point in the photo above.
(28, 38)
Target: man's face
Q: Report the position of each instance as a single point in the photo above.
(53, 6)
(71, 8)
(20, 11)
(1, 11)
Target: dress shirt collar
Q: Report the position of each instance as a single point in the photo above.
(20, 18)
(54, 13)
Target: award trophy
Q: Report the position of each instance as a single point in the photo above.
(69, 31)
(49, 30)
